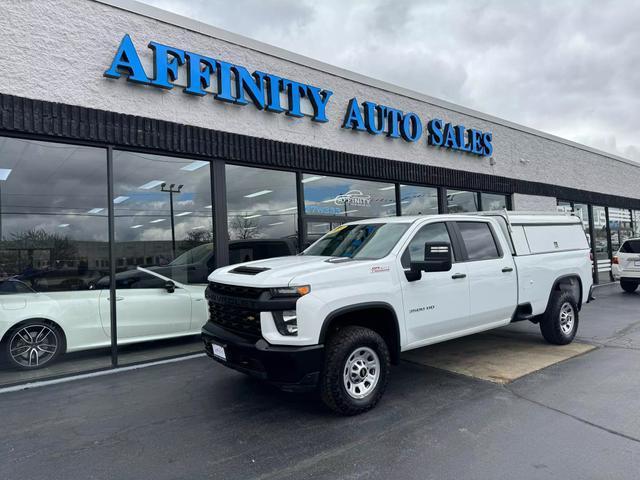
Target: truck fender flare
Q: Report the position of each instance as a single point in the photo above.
(565, 283)
(326, 325)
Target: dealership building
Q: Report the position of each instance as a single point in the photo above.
(133, 137)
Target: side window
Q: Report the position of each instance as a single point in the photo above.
(478, 240)
(142, 280)
(434, 232)
(131, 279)
(9, 286)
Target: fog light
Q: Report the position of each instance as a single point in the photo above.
(286, 322)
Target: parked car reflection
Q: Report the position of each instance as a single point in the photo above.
(37, 326)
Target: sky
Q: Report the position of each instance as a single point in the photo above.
(566, 67)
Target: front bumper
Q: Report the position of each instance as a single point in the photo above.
(290, 368)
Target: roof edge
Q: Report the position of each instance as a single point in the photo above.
(177, 20)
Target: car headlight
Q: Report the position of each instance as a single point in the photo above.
(286, 322)
(290, 291)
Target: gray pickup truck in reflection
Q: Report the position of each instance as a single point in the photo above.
(194, 265)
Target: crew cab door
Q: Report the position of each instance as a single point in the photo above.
(438, 303)
(493, 283)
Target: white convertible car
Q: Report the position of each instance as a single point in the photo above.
(36, 325)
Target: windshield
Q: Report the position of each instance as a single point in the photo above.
(199, 254)
(369, 241)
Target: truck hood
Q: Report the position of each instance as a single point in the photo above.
(278, 271)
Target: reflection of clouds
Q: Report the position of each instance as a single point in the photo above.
(320, 193)
(53, 184)
(272, 223)
(418, 200)
(461, 201)
(132, 170)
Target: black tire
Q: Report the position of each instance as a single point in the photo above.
(554, 324)
(51, 347)
(628, 286)
(341, 352)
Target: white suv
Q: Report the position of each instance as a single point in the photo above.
(626, 265)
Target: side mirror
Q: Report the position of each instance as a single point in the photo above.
(170, 286)
(437, 258)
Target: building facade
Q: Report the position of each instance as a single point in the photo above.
(132, 137)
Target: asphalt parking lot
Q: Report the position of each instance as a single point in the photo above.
(578, 419)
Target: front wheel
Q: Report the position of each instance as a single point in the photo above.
(628, 286)
(33, 345)
(355, 370)
(560, 322)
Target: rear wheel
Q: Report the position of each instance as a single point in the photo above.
(355, 371)
(33, 344)
(560, 322)
(628, 286)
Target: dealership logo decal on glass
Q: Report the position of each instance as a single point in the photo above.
(353, 197)
(236, 85)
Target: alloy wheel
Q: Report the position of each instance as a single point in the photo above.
(33, 345)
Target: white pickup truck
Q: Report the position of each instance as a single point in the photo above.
(336, 316)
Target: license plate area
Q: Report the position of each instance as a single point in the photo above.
(218, 351)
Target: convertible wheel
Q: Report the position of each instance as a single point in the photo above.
(33, 345)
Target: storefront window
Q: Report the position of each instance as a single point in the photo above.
(343, 197)
(418, 200)
(493, 201)
(459, 201)
(619, 226)
(53, 250)
(163, 252)
(262, 213)
(600, 232)
(582, 212)
(564, 207)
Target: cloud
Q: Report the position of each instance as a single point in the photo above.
(570, 67)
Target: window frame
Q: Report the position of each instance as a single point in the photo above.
(455, 247)
(463, 247)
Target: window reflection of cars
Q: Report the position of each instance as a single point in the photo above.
(37, 326)
(60, 279)
(195, 265)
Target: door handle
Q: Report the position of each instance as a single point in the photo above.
(456, 276)
(507, 269)
(117, 298)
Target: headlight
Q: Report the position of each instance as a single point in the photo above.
(290, 291)
(286, 322)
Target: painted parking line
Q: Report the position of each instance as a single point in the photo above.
(71, 378)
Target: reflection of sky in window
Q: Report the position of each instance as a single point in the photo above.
(144, 213)
(461, 201)
(261, 203)
(491, 201)
(320, 197)
(53, 187)
(418, 200)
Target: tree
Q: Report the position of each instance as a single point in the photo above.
(243, 228)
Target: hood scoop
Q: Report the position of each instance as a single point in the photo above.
(338, 260)
(246, 270)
